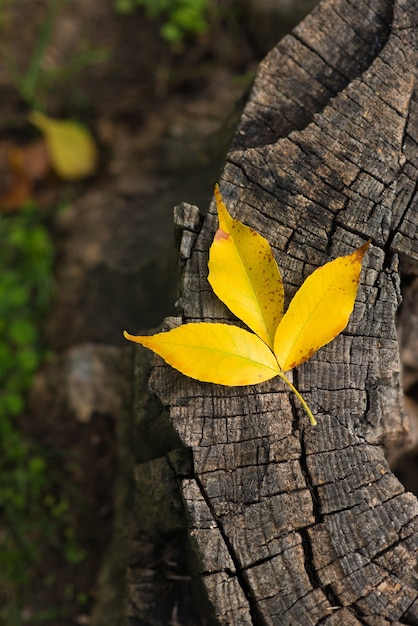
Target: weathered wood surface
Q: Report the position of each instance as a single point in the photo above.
(295, 524)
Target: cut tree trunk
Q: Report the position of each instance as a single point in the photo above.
(295, 524)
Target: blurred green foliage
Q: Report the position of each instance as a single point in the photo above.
(26, 256)
(180, 16)
(32, 507)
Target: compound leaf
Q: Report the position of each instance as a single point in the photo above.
(244, 275)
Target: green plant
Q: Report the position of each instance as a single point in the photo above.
(26, 256)
(180, 16)
(34, 509)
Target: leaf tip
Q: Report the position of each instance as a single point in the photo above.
(130, 337)
(360, 252)
(218, 198)
(225, 220)
(36, 118)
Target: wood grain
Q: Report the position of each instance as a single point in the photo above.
(295, 524)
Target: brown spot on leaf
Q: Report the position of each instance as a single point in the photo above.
(221, 234)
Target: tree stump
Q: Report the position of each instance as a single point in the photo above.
(295, 524)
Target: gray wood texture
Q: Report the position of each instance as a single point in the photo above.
(295, 524)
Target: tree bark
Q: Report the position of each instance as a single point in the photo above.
(295, 524)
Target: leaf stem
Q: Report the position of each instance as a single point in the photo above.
(301, 399)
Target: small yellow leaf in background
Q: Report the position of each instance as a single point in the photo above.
(244, 274)
(71, 147)
(319, 310)
(212, 352)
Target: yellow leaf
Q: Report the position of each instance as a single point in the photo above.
(244, 274)
(319, 310)
(212, 352)
(71, 148)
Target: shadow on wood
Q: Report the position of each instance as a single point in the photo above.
(294, 524)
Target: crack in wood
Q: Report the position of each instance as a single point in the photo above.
(256, 617)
